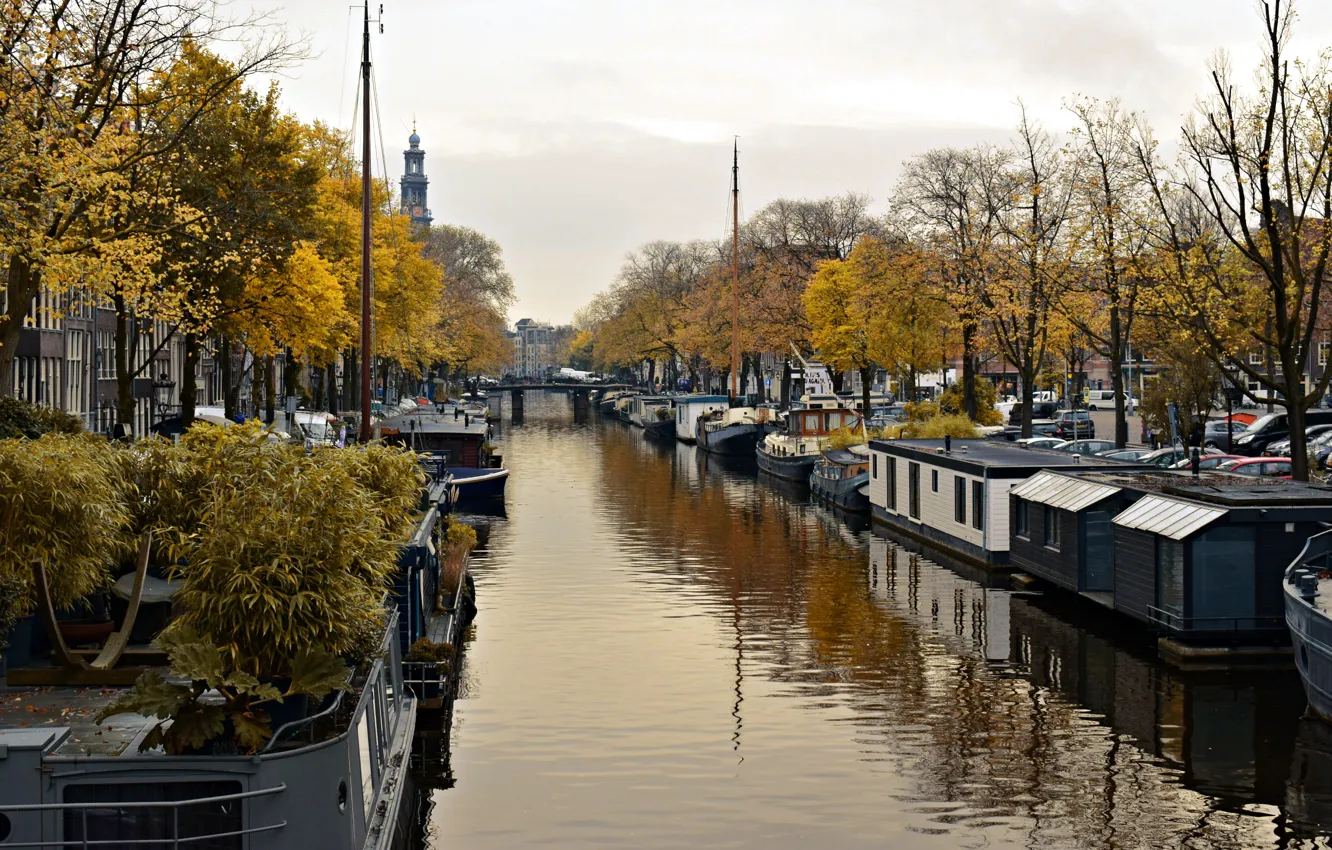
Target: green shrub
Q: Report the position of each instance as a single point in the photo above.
(956, 426)
(428, 651)
(61, 504)
(20, 419)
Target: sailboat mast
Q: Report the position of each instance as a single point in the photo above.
(735, 272)
(365, 231)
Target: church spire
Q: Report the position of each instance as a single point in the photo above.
(414, 182)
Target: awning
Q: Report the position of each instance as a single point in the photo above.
(1062, 491)
(1168, 517)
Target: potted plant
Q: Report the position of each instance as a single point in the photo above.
(459, 541)
(243, 720)
(431, 662)
(285, 554)
(60, 506)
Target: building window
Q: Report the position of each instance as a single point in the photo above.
(892, 484)
(1022, 520)
(1322, 352)
(874, 467)
(960, 499)
(978, 505)
(913, 489)
(934, 481)
(1170, 576)
(1255, 358)
(1051, 527)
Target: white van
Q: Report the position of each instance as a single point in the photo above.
(1101, 399)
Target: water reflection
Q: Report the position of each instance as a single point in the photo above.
(670, 652)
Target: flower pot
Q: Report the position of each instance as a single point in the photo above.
(83, 632)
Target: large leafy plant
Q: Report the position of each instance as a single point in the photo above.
(292, 550)
(236, 712)
(61, 504)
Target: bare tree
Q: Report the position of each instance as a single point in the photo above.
(1252, 274)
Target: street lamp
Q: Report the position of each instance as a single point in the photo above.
(162, 387)
(1234, 394)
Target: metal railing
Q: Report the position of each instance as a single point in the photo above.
(1178, 622)
(174, 805)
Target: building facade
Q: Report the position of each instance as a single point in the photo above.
(414, 183)
(533, 349)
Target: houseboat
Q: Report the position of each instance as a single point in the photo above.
(792, 453)
(457, 442)
(607, 401)
(623, 407)
(954, 493)
(659, 422)
(844, 401)
(643, 409)
(840, 477)
(733, 431)
(689, 408)
(1307, 595)
(335, 779)
(1197, 559)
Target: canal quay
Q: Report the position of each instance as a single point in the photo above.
(673, 653)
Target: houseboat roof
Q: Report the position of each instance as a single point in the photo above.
(433, 422)
(66, 718)
(1066, 492)
(844, 457)
(996, 456)
(1173, 518)
(1211, 486)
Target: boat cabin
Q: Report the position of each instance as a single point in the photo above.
(820, 422)
(954, 493)
(457, 440)
(689, 408)
(842, 464)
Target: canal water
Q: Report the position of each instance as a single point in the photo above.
(670, 653)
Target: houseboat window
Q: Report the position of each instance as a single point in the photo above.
(1022, 521)
(1170, 576)
(960, 499)
(913, 489)
(934, 481)
(874, 463)
(1222, 580)
(129, 827)
(1051, 527)
(892, 484)
(978, 505)
(811, 422)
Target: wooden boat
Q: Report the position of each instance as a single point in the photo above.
(689, 408)
(457, 443)
(791, 454)
(840, 477)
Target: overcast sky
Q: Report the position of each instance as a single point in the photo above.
(573, 131)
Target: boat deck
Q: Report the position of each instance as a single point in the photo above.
(73, 708)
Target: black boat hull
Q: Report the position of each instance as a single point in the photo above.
(842, 492)
(736, 440)
(790, 468)
(660, 429)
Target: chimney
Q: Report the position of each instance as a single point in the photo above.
(948, 444)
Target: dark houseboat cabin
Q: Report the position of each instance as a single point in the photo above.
(954, 494)
(1197, 559)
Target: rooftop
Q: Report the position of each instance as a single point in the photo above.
(1214, 487)
(997, 453)
(51, 709)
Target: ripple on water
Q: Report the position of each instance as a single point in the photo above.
(671, 653)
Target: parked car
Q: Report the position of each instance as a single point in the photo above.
(1074, 425)
(1041, 442)
(1123, 454)
(1218, 433)
(1205, 462)
(1267, 429)
(1103, 399)
(1086, 447)
(1039, 410)
(1258, 467)
(1168, 457)
(1281, 448)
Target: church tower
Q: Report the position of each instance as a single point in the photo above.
(414, 182)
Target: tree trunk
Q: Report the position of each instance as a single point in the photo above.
(331, 379)
(21, 287)
(226, 367)
(270, 391)
(291, 377)
(1117, 386)
(969, 374)
(1295, 408)
(351, 380)
(124, 342)
(188, 381)
(257, 387)
(1028, 377)
(866, 372)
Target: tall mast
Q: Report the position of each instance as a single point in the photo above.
(366, 353)
(735, 272)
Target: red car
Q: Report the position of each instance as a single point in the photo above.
(1258, 467)
(1206, 461)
